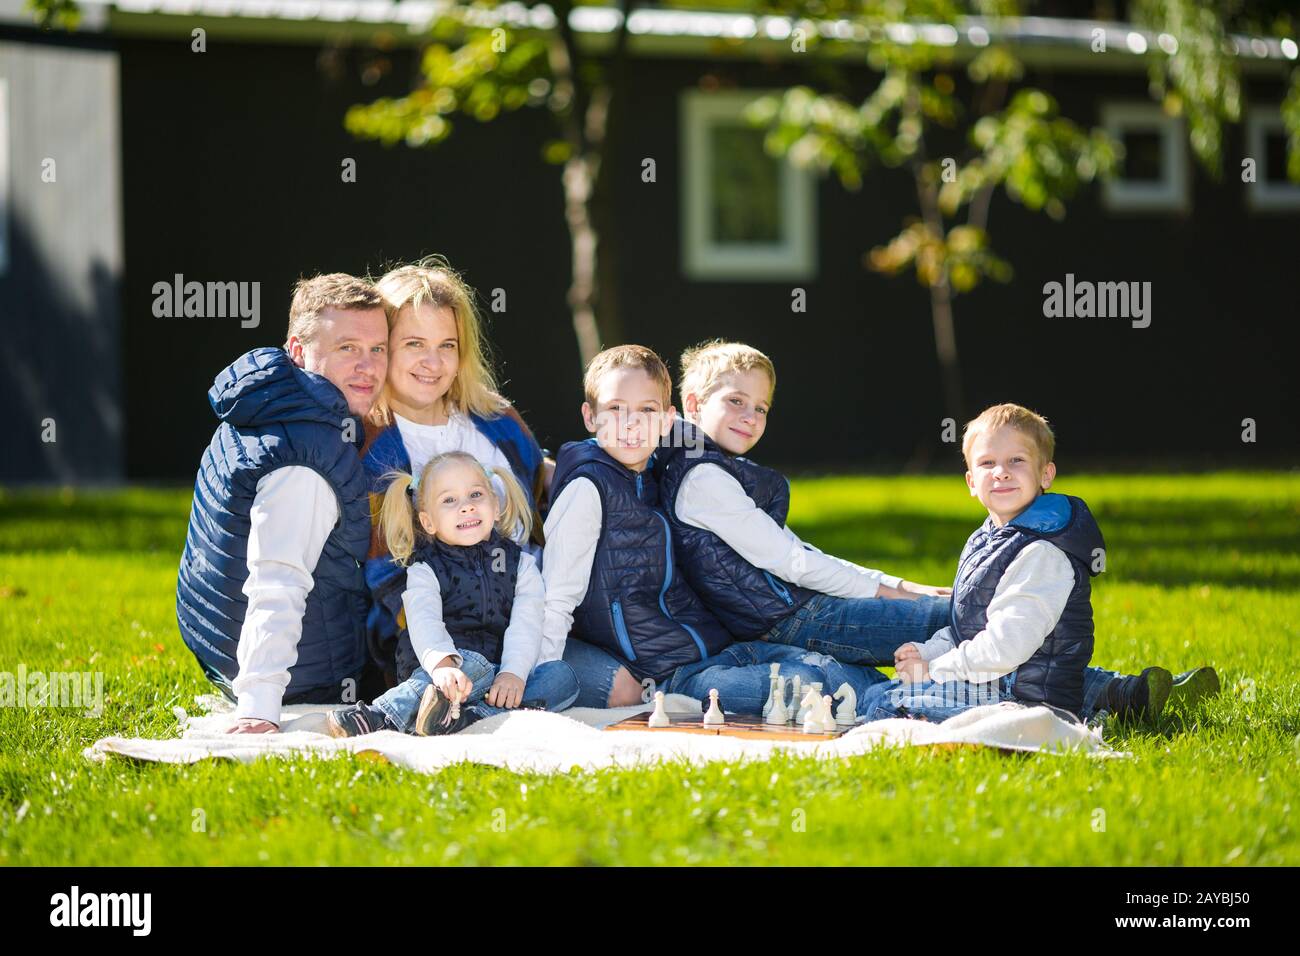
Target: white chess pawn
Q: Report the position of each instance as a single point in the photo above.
(714, 717)
(771, 691)
(796, 695)
(846, 715)
(660, 717)
(778, 713)
(828, 718)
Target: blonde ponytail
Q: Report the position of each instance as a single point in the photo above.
(516, 510)
(397, 517)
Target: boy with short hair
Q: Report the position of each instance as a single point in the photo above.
(754, 573)
(609, 566)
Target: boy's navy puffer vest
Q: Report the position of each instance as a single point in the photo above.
(478, 593)
(273, 415)
(385, 454)
(748, 600)
(1054, 674)
(637, 606)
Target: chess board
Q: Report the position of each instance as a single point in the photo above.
(736, 726)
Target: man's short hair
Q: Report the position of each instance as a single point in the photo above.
(704, 365)
(627, 356)
(1031, 424)
(338, 290)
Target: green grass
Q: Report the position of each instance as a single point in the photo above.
(1201, 569)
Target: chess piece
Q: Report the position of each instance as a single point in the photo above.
(714, 716)
(810, 713)
(660, 717)
(828, 719)
(778, 714)
(796, 695)
(846, 715)
(771, 692)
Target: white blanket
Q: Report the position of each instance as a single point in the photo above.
(542, 742)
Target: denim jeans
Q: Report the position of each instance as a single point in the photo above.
(869, 630)
(552, 681)
(931, 700)
(741, 674)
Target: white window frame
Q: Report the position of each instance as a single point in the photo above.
(1262, 195)
(1170, 192)
(794, 256)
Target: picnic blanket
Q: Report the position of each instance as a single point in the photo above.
(541, 742)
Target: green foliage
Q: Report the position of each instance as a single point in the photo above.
(1201, 570)
(55, 14)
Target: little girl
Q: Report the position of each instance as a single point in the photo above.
(473, 605)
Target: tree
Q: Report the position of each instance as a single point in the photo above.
(481, 67)
(1008, 135)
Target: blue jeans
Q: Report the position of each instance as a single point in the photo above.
(931, 700)
(552, 681)
(741, 674)
(869, 630)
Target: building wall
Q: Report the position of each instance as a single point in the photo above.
(233, 174)
(60, 281)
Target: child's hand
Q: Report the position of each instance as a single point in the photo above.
(932, 590)
(453, 683)
(507, 691)
(912, 671)
(908, 652)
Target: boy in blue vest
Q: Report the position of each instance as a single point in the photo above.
(729, 516)
(617, 610)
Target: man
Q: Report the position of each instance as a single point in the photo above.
(271, 597)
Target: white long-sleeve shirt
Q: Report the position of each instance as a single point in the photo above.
(572, 531)
(432, 642)
(293, 512)
(1026, 605)
(711, 499)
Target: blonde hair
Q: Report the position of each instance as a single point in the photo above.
(704, 365)
(433, 282)
(1032, 425)
(337, 290)
(627, 356)
(397, 512)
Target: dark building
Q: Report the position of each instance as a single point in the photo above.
(224, 166)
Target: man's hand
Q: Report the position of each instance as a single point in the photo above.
(912, 671)
(908, 652)
(930, 590)
(507, 691)
(252, 725)
(453, 683)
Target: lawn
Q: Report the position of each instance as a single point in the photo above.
(1201, 569)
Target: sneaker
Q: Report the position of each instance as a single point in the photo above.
(1141, 696)
(434, 716)
(356, 720)
(1191, 686)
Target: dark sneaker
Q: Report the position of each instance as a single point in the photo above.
(1190, 687)
(356, 720)
(434, 717)
(1141, 696)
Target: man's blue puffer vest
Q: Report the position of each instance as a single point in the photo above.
(386, 454)
(273, 415)
(637, 607)
(477, 584)
(748, 600)
(1054, 674)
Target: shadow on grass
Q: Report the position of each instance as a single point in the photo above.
(44, 522)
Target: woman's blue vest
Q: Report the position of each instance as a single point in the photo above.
(748, 600)
(273, 415)
(1054, 674)
(386, 453)
(636, 607)
(477, 584)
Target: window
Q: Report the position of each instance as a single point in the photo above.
(1266, 145)
(745, 214)
(1153, 172)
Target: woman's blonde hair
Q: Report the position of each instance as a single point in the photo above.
(397, 512)
(432, 281)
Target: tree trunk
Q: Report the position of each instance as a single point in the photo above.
(578, 182)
